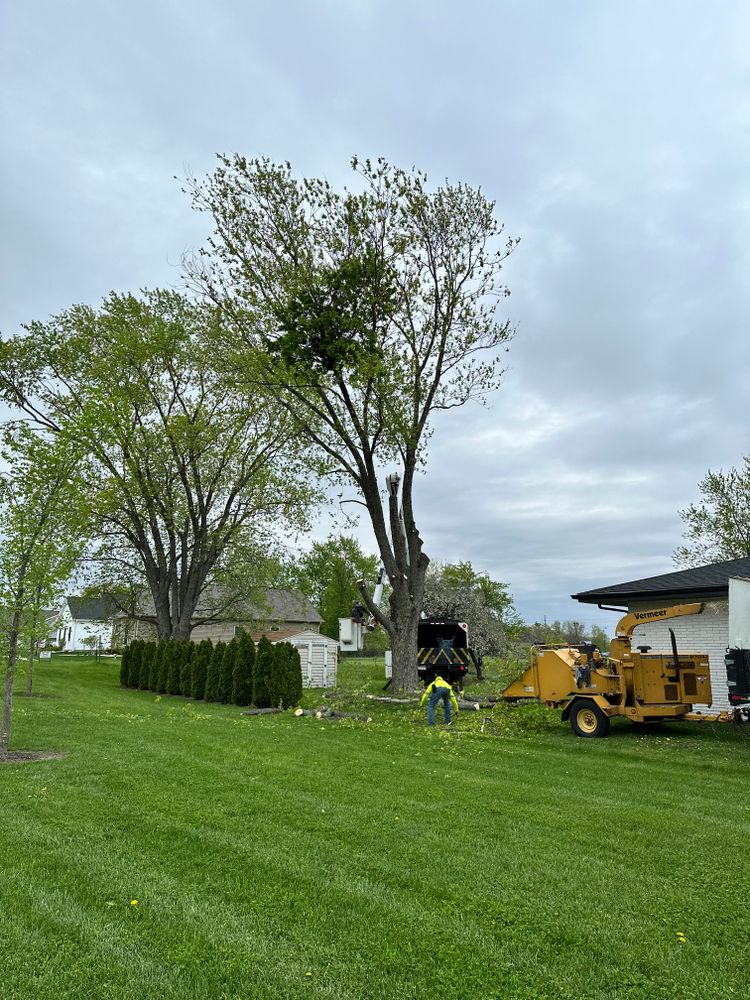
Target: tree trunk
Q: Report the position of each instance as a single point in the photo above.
(9, 675)
(404, 650)
(30, 670)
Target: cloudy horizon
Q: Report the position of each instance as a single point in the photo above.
(614, 139)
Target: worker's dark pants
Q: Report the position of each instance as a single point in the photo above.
(438, 694)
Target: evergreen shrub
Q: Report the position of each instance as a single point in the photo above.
(199, 668)
(264, 665)
(213, 671)
(242, 681)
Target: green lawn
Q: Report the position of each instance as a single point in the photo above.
(283, 857)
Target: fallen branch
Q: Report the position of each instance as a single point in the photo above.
(328, 713)
(262, 711)
(392, 701)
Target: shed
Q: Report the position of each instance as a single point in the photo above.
(318, 655)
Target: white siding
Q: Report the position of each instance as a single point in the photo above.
(704, 633)
(319, 658)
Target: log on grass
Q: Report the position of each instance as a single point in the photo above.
(392, 701)
(262, 711)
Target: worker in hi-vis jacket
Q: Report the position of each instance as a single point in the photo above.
(439, 690)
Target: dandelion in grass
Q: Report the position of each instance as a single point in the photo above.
(134, 902)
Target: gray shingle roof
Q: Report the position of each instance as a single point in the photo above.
(709, 580)
(91, 609)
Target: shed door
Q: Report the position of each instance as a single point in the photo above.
(739, 613)
(305, 655)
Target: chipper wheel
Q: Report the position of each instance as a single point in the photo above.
(588, 720)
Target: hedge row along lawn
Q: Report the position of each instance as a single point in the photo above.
(183, 851)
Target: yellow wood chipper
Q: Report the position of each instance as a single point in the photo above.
(637, 684)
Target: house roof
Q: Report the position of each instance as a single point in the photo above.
(87, 609)
(287, 606)
(709, 581)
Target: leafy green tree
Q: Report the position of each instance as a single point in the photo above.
(458, 591)
(718, 525)
(368, 311)
(264, 664)
(199, 669)
(600, 638)
(189, 480)
(328, 575)
(242, 681)
(213, 672)
(42, 517)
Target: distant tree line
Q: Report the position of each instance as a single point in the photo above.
(239, 672)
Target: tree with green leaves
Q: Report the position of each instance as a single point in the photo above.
(718, 525)
(328, 575)
(134, 666)
(458, 591)
(367, 312)
(41, 523)
(242, 680)
(125, 665)
(189, 479)
(286, 686)
(157, 663)
(264, 663)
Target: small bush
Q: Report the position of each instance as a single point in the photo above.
(286, 676)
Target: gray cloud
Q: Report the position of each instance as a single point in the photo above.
(614, 137)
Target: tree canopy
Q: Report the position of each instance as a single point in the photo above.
(185, 477)
(371, 309)
(718, 525)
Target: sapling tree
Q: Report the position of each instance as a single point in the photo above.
(42, 518)
(368, 312)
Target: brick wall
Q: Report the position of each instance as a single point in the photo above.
(707, 632)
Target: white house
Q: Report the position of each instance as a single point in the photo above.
(85, 618)
(720, 587)
(318, 655)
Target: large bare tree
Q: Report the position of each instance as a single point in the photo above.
(371, 310)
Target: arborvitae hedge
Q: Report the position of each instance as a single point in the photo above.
(165, 661)
(199, 668)
(189, 650)
(226, 672)
(125, 667)
(173, 670)
(213, 672)
(264, 665)
(147, 656)
(134, 666)
(153, 681)
(293, 695)
(286, 676)
(242, 681)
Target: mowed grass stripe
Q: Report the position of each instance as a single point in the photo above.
(388, 861)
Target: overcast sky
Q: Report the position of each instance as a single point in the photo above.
(613, 136)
